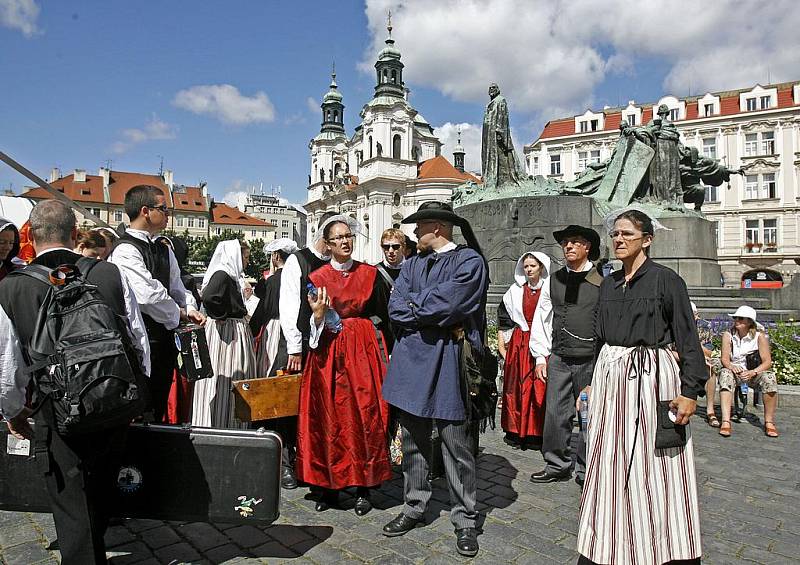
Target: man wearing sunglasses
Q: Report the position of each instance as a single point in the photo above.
(155, 278)
(393, 244)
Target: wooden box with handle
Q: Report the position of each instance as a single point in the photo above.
(267, 398)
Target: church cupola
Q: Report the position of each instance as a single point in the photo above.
(389, 68)
(458, 154)
(332, 107)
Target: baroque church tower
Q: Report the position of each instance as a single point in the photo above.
(329, 147)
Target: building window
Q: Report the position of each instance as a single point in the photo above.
(397, 144)
(631, 119)
(712, 194)
(201, 222)
(751, 104)
(750, 144)
(370, 147)
(594, 125)
(708, 110)
(767, 142)
(179, 221)
(284, 234)
(751, 236)
(710, 147)
(594, 156)
(535, 165)
(219, 231)
(284, 223)
(584, 126)
(770, 235)
(751, 187)
(715, 231)
(769, 188)
(583, 160)
(674, 114)
(396, 199)
(253, 233)
(117, 215)
(555, 164)
(765, 102)
(190, 222)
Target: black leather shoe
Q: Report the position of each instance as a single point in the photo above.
(288, 481)
(400, 525)
(363, 505)
(326, 501)
(579, 481)
(545, 477)
(467, 541)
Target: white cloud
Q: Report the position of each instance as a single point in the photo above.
(21, 15)
(154, 129)
(313, 105)
(470, 141)
(225, 103)
(548, 57)
(235, 191)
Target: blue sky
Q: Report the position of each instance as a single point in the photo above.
(227, 92)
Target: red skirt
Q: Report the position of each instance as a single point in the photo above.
(342, 426)
(179, 402)
(523, 394)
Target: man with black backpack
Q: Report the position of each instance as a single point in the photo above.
(71, 324)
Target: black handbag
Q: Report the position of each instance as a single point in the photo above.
(752, 360)
(668, 433)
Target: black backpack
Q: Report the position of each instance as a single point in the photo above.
(80, 354)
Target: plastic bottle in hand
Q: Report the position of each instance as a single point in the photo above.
(584, 414)
(332, 319)
(744, 388)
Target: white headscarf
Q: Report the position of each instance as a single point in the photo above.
(281, 244)
(513, 297)
(519, 271)
(228, 259)
(352, 223)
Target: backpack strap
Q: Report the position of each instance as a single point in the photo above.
(38, 272)
(385, 274)
(85, 265)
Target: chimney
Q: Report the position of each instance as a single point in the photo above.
(55, 174)
(168, 178)
(204, 188)
(79, 175)
(106, 174)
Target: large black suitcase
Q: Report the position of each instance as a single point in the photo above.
(170, 473)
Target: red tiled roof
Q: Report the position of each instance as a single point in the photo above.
(189, 199)
(440, 168)
(121, 182)
(729, 105)
(227, 215)
(90, 191)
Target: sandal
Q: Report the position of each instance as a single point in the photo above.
(770, 430)
(712, 420)
(725, 429)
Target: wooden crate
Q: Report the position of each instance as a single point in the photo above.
(266, 398)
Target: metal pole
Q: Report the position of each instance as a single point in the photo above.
(49, 188)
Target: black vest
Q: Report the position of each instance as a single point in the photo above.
(574, 297)
(308, 264)
(156, 258)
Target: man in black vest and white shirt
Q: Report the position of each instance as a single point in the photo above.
(295, 316)
(563, 330)
(79, 470)
(155, 278)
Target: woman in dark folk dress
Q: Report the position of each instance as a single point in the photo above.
(639, 503)
(343, 420)
(9, 246)
(522, 416)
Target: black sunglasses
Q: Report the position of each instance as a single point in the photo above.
(388, 246)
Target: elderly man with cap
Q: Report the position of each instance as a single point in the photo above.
(438, 300)
(563, 331)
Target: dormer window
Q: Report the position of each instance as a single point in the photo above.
(708, 110)
(631, 119)
(674, 114)
(765, 102)
(751, 104)
(584, 127)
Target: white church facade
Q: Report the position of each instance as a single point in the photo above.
(389, 166)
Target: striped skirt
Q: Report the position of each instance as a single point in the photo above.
(230, 345)
(268, 347)
(655, 519)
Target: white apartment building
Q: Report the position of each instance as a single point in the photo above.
(758, 128)
(289, 219)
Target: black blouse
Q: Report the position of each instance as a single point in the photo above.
(223, 298)
(653, 310)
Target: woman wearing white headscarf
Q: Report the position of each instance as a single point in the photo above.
(230, 343)
(522, 416)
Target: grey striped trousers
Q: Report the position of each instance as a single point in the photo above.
(459, 465)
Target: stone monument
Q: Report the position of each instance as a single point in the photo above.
(512, 212)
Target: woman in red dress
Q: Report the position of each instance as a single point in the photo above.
(343, 419)
(523, 395)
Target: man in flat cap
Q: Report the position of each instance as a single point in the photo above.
(438, 301)
(562, 342)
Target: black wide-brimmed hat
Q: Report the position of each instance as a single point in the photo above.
(586, 233)
(440, 211)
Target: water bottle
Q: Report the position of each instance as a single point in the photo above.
(584, 414)
(744, 388)
(332, 319)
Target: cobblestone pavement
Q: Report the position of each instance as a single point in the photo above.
(749, 491)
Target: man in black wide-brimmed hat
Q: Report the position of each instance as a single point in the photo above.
(438, 300)
(562, 342)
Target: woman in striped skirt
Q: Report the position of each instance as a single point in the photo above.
(639, 503)
(230, 343)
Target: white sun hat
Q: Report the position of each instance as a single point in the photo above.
(744, 312)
